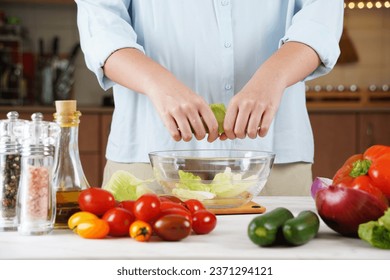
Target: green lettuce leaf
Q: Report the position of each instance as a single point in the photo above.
(125, 186)
(185, 194)
(375, 234)
(385, 219)
(192, 182)
(219, 111)
(223, 185)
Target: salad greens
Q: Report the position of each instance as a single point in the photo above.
(377, 233)
(125, 186)
(219, 111)
(223, 185)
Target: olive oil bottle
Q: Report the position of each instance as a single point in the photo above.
(68, 178)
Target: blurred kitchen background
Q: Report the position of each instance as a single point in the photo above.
(349, 108)
(35, 34)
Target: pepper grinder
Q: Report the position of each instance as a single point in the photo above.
(36, 198)
(9, 170)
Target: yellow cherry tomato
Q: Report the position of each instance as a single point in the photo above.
(93, 229)
(80, 217)
(140, 231)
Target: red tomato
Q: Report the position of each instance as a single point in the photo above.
(172, 227)
(147, 207)
(194, 205)
(171, 198)
(203, 222)
(96, 201)
(127, 204)
(175, 211)
(169, 205)
(119, 220)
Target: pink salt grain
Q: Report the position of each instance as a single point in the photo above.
(38, 192)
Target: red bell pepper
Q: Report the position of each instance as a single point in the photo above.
(369, 172)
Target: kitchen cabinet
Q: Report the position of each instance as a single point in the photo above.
(339, 133)
(334, 141)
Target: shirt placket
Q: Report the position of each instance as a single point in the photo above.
(226, 43)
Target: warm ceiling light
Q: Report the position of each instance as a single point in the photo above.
(378, 4)
(387, 4)
(369, 5)
(360, 5)
(351, 5)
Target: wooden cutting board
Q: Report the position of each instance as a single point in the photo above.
(249, 208)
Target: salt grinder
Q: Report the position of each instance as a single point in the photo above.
(36, 199)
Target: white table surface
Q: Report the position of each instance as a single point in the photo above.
(229, 240)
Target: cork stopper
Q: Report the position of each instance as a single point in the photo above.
(65, 107)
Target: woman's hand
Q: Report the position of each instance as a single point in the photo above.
(182, 111)
(251, 111)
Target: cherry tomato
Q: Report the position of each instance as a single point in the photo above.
(127, 204)
(140, 231)
(119, 220)
(203, 221)
(80, 217)
(147, 207)
(170, 205)
(172, 198)
(172, 227)
(175, 211)
(93, 229)
(96, 201)
(194, 205)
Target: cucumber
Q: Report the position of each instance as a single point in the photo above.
(301, 229)
(264, 230)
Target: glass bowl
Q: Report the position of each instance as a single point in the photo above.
(218, 178)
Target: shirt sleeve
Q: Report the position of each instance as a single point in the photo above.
(104, 27)
(318, 24)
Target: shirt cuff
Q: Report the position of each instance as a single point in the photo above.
(100, 47)
(319, 38)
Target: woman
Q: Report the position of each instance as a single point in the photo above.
(168, 60)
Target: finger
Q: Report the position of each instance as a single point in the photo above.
(241, 123)
(230, 120)
(223, 137)
(184, 127)
(210, 122)
(254, 123)
(172, 127)
(265, 123)
(197, 126)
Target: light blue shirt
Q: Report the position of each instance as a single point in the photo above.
(214, 47)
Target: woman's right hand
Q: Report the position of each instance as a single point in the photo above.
(183, 112)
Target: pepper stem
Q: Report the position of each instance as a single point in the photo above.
(360, 167)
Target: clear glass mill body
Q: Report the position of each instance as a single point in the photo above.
(10, 168)
(69, 179)
(36, 197)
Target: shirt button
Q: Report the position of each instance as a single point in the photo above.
(224, 2)
(228, 86)
(227, 45)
